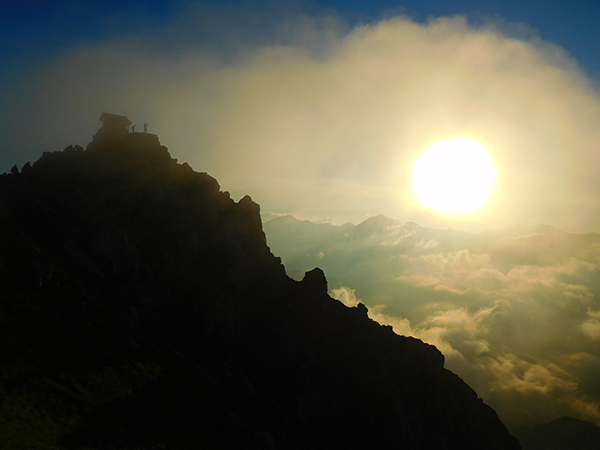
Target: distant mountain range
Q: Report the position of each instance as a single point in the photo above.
(302, 243)
(142, 309)
(516, 311)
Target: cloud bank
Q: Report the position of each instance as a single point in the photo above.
(313, 116)
(514, 311)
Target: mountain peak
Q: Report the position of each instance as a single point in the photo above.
(377, 223)
(133, 286)
(379, 220)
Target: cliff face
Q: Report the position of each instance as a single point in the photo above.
(142, 309)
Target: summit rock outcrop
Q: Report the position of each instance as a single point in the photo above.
(141, 308)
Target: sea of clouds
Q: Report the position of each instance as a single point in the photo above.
(514, 311)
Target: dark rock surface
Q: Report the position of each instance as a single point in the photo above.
(142, 309)
(565, 433)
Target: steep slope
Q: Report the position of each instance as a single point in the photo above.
(565, 433)
(142, 309)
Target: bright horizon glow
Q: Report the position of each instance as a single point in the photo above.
(455, 176)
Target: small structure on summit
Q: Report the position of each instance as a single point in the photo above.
(113, 126)
(119, 129)
(115, 123)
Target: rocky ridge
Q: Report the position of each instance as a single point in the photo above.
(141, 308)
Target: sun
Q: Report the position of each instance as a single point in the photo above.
(455, 176)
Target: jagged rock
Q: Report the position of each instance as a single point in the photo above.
(362, 309)
(315, 281)
(142, 308)
(249, 214)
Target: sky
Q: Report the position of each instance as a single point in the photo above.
(320, 109)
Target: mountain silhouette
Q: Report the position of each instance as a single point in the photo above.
(141, 308)
(565, 433)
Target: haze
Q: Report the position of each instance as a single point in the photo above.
(322, 116)
(323, 119)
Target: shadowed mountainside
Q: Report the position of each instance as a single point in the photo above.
(524, 298)
(142, 309)
(565, 433)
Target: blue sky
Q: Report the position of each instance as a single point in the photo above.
(40, 29)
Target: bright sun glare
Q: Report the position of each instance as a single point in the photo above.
(454, 176)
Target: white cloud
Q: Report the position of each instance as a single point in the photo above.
(345, 295)
(591, 327)
(515, 312)
(282, 102)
